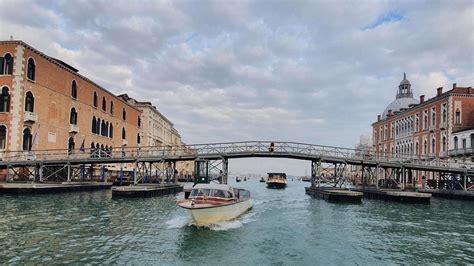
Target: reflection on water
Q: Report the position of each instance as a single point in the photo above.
(284, 227)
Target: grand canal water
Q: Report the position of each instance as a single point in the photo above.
(284, 227)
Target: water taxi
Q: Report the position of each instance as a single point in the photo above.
(211, 203)
(276, 180)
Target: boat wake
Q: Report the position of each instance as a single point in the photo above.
(234, 224)
(183, 221)
(178, 222)
(260, 202)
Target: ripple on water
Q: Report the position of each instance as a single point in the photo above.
(285, 227)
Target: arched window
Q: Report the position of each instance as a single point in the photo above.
(103, 128)
(74, 89)
(444, 143)
(123, 133)
(433, 146)
(425, 147)
(472, 141)
(111, 131)
(416, 148)
(6, 65)
(98, 127)
(29, 102)
(70, 145)
(94, 126)
(73, 117)
(95, 99)
(5, 100)
(3, 137)
(455, 143)
(106, 129)
(458, 117)
(140, 122)
(27, 139)
(111, 107)
(104, 104)
(138, 138)
(124, 114)
(31, 69)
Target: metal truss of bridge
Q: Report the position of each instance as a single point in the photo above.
(157, 164)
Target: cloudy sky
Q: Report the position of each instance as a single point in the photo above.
(306, 71)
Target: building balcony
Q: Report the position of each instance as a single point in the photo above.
(432, 128)
(30, 117)
(442, 125)
(73, 128)
(461, 152)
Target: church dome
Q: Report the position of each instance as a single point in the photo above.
(398, 104)
(405, 82)
(403, 99)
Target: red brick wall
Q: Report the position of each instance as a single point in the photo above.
(53, 102)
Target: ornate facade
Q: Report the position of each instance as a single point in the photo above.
(46, 104)
(423, 129)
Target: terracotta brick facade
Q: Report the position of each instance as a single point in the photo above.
(49, 123)
(424, 130)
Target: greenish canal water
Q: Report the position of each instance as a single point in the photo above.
(285, 227)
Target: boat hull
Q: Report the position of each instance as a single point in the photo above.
(277, 185)
(210, 215)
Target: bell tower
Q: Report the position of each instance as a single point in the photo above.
(404, 89)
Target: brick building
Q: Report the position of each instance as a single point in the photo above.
(157, 130)
(46, 104)
(424, 129)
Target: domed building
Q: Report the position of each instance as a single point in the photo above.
(440, 127)
(403, 99)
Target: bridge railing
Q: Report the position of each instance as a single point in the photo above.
(225, 149)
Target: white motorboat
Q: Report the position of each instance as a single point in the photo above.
(211, 203)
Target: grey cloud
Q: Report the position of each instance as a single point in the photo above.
(308, 71)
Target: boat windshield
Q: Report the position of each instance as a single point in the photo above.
(218, 193)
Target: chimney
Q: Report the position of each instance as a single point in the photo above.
(454, 85)
(390, 112)
(439, 91)
(378, 118)
(422, 98)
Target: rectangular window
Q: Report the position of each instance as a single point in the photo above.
(445, 113)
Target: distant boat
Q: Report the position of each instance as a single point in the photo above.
(211, 203)
(262, 180)
(276, 180)
(237, 179)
